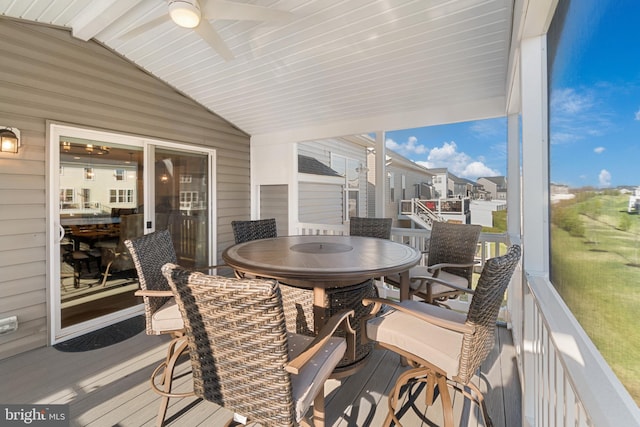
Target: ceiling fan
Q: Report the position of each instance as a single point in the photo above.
(197, 14)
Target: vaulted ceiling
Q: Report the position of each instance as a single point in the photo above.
(331, 67)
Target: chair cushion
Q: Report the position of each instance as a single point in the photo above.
(167, 318)
(312, 376)
(439, 346)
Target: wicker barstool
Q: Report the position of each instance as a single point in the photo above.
(242, 356)
(370, 227)
(445, 347)
(149, 253)
(451, 257)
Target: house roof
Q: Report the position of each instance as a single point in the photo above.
(333, 68)
(313, 166)
(500, 181)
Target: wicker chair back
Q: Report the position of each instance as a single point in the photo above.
(483, 311)
(238, 343)
(370, 227)
(454, 244)
(245, 231)
(149, 253)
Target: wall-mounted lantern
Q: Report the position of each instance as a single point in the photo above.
(9, 139)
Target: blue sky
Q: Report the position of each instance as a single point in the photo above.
(594, 103)
(469, 150)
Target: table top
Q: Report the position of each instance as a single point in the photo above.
(326, 261)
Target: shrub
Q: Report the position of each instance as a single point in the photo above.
(568, 219)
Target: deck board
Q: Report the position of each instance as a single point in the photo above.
(110, 387)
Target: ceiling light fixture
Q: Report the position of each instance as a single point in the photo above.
(185, 13)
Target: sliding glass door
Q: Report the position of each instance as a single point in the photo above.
(181, 201)
(106, 188)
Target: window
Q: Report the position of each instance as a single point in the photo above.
(403, 183)
(121, 196)
(85, 198)
(66, 195)
(350, 169)
(594, 116)
(119, 174)
(188, 196)
(185, 179)
(89, 174)
(392, 187)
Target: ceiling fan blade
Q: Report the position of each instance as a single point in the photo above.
(145, 26)
(206, 31)
(222, 9)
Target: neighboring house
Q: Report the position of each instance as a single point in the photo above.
(558, 192)
(405, 180)
(336, 180)
(496, 186)
(332, 180)
(441, 183)
(462, 187)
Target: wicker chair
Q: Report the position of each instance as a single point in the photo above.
(370, 227)
(451, 257)
(245, 231)
(242, 356)
(444, 347)
(149, 253)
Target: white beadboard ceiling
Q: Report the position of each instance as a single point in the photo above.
(336, 67)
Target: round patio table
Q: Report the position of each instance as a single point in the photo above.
(323, 264)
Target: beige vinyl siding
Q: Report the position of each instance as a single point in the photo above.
(320, 203)
(321, 150)
(274, 204)
(49, 76)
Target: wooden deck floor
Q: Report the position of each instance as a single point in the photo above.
(109, 387)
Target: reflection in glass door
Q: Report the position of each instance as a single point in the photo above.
(181, 189)
(100, 206)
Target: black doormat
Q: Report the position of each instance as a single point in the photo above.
(104, 337)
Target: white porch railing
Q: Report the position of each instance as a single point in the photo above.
(565, 380)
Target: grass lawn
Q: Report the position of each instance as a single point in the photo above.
(598, 276)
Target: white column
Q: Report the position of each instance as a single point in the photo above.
(535, 198)
(535, 155)
(514, 216)
(381, 174)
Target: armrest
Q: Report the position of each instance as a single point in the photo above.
(294, 366)
(446, 264)
(151, 293)
(434, 320)
(430, 279)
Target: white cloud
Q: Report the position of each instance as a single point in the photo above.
(599, 150)
(604, 178)
(577, 114)
(406, 148)
(568, 101)
(458, 163)
(638, 115)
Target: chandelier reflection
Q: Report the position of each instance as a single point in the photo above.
(91, 149)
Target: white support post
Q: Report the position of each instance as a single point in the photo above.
(535, 155)
(381, 174)
(514, 217)
(535, 205)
